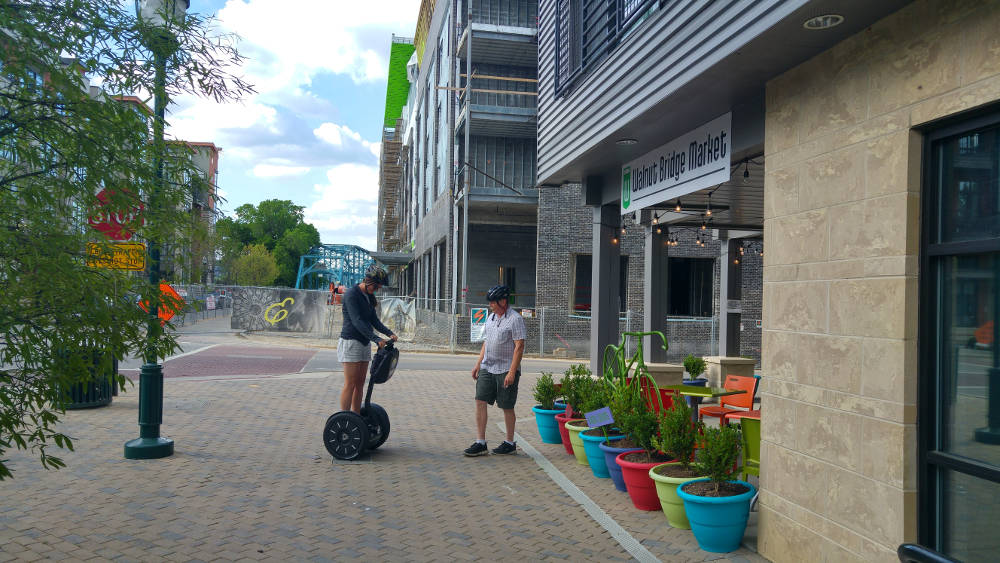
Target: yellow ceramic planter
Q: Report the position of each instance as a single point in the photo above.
(574, 427)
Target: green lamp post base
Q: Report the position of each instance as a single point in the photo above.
(149, 448)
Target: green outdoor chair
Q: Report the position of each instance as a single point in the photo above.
(751, 447)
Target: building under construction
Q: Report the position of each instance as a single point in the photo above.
(458, 206)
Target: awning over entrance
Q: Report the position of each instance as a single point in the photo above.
(393, 258)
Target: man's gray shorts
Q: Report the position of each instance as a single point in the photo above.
(489, 388)
(350, 350)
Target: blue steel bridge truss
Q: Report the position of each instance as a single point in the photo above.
(332, 263)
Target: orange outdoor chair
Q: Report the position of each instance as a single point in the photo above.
(741, 401)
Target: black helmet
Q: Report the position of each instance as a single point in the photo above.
(376, 274)
(498, 292)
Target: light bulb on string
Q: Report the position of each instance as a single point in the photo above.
(708, 209)
(677, 207)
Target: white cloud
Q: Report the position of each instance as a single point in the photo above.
(347, 207)
(308, 36)
(276, 170)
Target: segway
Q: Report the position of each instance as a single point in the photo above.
(347, 434)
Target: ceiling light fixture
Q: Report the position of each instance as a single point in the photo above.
(626, 141)
(826, 21)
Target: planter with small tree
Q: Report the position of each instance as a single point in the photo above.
(599, 398)
(568, 384)
(718, 507)
(678, 436)
(545, 393)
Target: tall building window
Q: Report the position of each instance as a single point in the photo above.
(582, 283)
(959, 401)
(690, 286)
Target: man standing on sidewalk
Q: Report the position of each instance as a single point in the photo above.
(497, 371)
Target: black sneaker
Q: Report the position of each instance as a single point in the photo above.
(476, 449)
(505, 448)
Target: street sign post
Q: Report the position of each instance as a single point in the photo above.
(117, 256)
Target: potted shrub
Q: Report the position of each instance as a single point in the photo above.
(640, 423)
(584, 390)
(545, 393)
(678, 436)
(574, 374)
(718, 507)
(598, 398)
(694, 366)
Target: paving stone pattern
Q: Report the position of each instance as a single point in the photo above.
(251, 480)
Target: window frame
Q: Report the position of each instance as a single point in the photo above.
(932, 463)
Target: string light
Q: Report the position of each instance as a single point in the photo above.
(746, 172)
(614, 240)
(708, 210)
(704, 225)
(623, 230)
(677, 207)
(658, 230)
(656, 219)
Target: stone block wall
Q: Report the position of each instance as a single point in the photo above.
(842, 198)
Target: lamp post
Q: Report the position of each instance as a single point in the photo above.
(156, 19)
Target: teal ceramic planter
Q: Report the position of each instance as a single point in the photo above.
(718, 523)
(591, 446)
(548, 428)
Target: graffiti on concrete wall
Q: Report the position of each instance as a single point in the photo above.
(292, 310)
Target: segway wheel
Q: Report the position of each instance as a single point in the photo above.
(345, 435)
(378, 425)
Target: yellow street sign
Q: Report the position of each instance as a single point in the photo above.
(117, 256)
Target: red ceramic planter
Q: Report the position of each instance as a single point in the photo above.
(640, 486)
(563, 433)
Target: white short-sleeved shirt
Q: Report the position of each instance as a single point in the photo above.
(500, 334)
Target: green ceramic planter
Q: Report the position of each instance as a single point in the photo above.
(574, 427)
(666, 489)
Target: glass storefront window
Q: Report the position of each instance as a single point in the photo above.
(959, 420)
(971, 508)
(967, 313)
(969, 186)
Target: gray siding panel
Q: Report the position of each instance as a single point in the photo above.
(676, 44)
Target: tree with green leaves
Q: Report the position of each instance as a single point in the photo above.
(255, 267)
(276, 224)
(63, 316)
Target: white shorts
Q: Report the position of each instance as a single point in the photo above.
(349, 350)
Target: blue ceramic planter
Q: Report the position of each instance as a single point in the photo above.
(547, 427)
(610, 453)
(718, 523)
(598, 465)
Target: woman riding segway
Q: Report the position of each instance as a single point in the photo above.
(347, 433)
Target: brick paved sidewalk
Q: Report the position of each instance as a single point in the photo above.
(251, 480)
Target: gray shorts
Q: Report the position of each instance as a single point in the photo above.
(489, 388)
(349, 350)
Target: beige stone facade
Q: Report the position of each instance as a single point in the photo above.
(842, 223)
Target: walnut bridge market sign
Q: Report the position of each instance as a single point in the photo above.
(694, 161)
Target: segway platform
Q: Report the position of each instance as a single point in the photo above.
(347, 434)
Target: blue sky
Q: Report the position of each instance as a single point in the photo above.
(311, 134)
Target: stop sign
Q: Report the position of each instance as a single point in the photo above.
(115, 226)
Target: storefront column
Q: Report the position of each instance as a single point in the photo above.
(654, 299)
(605, 281)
